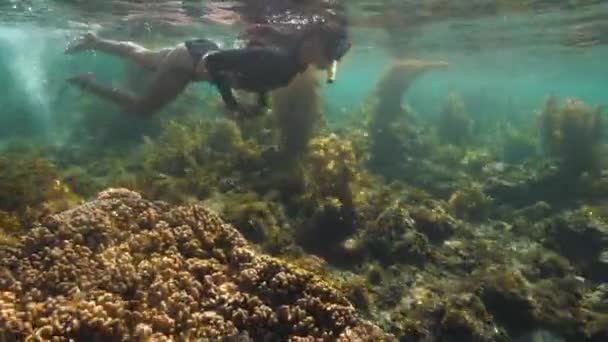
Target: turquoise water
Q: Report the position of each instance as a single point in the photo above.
(494, 78)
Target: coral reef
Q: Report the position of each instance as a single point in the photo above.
(123, 268)
(429, 229)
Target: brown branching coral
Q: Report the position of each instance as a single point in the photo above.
(123, 268)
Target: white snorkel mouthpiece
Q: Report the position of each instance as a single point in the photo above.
(331, 72)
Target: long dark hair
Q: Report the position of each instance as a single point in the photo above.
(334, 36)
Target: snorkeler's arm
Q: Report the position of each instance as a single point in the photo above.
(251, 65)
(227, 96)
(217, 72)
(263, 100)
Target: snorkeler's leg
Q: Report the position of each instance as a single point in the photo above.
(164, 88)
(174, 73)
(87, 82)
(149, 59)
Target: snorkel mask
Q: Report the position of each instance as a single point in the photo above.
(337, 45)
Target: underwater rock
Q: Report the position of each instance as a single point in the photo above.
(465, 319)
(522, 305)
(124, 268)
(536, 211)
(261, 221)
(470, 203)
(531, 186)
(539, 336)
(434, 221)
(582, 238)
(595, 310)
(405, 234)
(393, 238)
(507, 295)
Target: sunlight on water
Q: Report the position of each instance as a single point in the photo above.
(27, 49)
(450, 183)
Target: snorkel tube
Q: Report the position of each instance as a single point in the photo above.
(336, 48)
(331, 72)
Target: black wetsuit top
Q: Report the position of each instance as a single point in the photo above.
(258, 69)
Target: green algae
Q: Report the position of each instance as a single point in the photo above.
(31, 186)
(455, 125)
(571, 132)
(423, 233)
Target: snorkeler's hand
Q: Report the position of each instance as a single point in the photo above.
(82, 80)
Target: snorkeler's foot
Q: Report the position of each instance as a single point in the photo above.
(84, 42)
(82, 80)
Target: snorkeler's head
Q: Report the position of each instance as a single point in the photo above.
(264, 35)
(328, 44)
(336, 44)
(336, 41)
(321, 44)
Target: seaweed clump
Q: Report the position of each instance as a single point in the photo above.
(30, 187)
(518, 146)
(392, 137)
(402, 233)
(470, 203)
(581, 237)
(123, 268)
(571, 133)
(329, 201)
(455, 124)
(194, 158)
(297, 110)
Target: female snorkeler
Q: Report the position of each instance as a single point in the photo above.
(270, 60)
